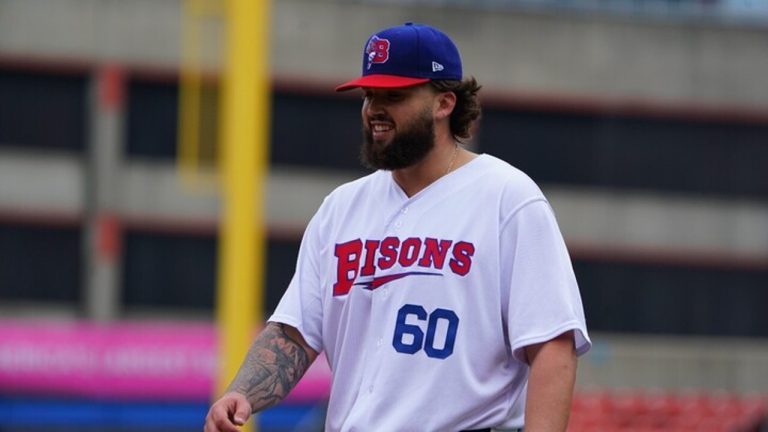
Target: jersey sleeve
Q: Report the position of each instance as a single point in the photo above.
(543, 296)
(301, 305)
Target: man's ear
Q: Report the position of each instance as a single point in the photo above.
(444, 104)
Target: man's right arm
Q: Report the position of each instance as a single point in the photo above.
(276, 361)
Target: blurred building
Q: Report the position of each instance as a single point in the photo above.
(645, 122)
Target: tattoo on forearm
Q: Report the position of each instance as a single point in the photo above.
(274, 364)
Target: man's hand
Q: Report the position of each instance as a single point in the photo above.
(228, 413)
(274, 364)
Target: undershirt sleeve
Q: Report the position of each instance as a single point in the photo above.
(543, 296)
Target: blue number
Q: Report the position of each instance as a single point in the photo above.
(450, 337)
(417, 335)
(401, 329)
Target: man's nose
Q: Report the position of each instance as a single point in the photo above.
(374, 106)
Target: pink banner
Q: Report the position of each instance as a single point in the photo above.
(159, 360)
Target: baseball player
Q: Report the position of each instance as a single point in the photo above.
(439, 286)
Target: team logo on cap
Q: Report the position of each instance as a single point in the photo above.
(377, 50)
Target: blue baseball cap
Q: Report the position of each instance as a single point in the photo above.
(407, 55)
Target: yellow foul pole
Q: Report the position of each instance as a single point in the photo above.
(244, 120)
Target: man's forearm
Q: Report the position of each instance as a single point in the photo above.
(274, 364)
(550, 385)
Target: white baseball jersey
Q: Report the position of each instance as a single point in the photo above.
(423, 305)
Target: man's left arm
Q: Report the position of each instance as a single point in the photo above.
(550, 384)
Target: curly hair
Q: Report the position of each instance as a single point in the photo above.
(467, 108)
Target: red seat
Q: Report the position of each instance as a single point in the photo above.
(665, 411)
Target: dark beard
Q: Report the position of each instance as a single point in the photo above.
(406, 149)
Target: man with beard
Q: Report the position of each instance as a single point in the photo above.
(439, 286)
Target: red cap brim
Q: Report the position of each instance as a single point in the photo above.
(382, 81)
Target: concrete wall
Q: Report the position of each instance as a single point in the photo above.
(657, 362)
(511, 51)
(589, 218)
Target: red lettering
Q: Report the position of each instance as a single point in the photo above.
(409, 251)
(370, 254)
(388, 252)
(348, 261)
(429, 253)
(434, 253)
(462, 258)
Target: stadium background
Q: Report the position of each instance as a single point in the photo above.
(645, 122)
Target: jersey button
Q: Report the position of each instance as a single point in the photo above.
(398, 224)
(370, 389)
(379, 342)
